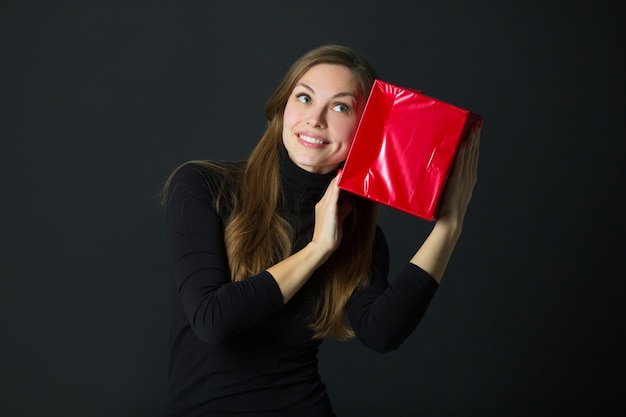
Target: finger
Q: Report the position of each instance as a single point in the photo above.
(467, 152)
(459, 162)
(332, 192)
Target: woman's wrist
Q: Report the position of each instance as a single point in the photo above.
(450, 226)
(317, 252)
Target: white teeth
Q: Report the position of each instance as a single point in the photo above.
(311, 140)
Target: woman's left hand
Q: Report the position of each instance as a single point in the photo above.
(463, 177)
(435, 252)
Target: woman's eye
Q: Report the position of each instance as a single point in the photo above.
(342, 108)
(303, 98)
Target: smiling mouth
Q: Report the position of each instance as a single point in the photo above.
(314, 141)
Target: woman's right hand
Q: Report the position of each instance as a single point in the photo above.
(291, 273)
(329, 217)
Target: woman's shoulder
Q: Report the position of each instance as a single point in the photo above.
(208, 181)
(208, 167)
(206, 173)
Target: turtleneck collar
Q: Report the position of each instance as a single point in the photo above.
(297, 181)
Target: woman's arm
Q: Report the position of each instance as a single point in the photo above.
(435, 252)
(293, 272)
(216, 307)
(384, 315)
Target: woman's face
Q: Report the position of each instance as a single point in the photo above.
(321, 117)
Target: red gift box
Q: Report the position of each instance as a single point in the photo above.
(404, 148)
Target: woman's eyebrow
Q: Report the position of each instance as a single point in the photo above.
(342, 94)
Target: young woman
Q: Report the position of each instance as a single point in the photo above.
(269, 257)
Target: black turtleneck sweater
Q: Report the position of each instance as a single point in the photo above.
(235, 347)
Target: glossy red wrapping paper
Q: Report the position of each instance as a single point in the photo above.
(404, 148)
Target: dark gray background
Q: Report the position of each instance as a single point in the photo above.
(101, 99)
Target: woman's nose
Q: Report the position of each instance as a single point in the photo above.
(317, 118)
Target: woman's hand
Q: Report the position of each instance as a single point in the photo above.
(463, 177)
(435, 252)
(291, 273)
(329, 217)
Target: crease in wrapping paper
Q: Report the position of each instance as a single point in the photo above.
(403, 149)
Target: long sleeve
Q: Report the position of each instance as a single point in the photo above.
(217, 309)
(383, 315)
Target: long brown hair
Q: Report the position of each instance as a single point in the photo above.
(256, 236)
